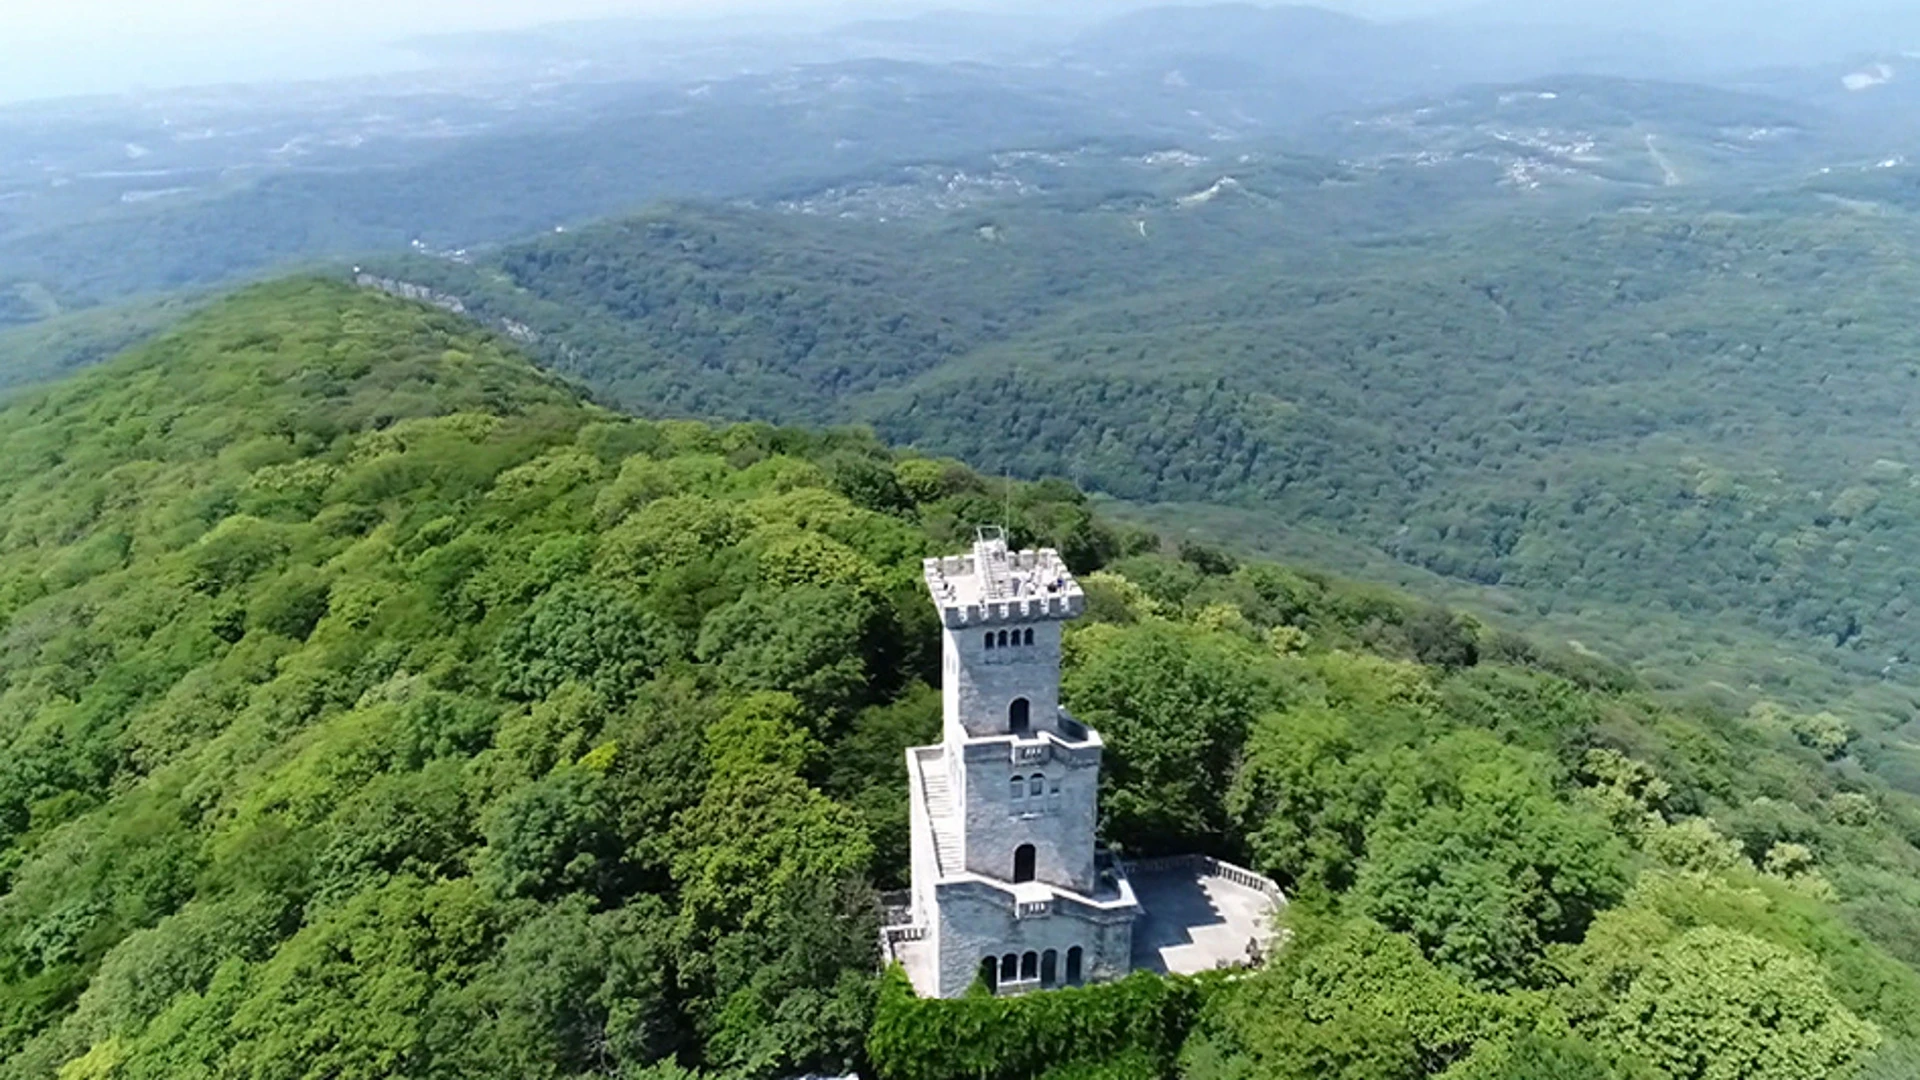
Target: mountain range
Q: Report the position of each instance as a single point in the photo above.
(491, 650)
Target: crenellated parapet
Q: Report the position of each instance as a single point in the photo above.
(993, 586)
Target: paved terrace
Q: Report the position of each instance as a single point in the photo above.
(1199, 914)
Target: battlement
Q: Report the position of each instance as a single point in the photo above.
(994, 585)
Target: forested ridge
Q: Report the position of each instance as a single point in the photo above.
(373, 707)
(1693, 409)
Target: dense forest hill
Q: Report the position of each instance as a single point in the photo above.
(374, 707)
(1672, 423)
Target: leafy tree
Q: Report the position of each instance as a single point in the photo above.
(809, 641)
(553, 836)
(592, 632)
(569, 993)
(1175, 704)
(1493, 869)
(1715, 1003)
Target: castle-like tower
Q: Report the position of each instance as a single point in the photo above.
(1008, 885)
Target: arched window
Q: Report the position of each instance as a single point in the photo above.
(990, 973)
(1023, 863)
(1020, 716)
(1037, 786)
(1003, 638)
(1009, 968)
(1049, 967)
(1030, 966)
(1055, 790)
(1029, 636)
(1019, 788)
(989, 639)
(1073, 966)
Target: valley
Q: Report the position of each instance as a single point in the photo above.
(1606, 406)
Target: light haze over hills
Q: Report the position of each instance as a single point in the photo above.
(119, 46)
(374, 707)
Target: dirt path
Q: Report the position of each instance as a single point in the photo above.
(1670, 175)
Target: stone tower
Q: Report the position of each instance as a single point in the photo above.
(1008, 885)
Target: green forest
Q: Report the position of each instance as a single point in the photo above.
(375, 707)
(1678, 429)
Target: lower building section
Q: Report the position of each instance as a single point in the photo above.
(984, 932)
(1180, 915)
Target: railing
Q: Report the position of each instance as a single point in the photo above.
(1032, 909)
(1027, 754)
(1016, 987)
(1211, 867)
(1248, 879)
(892, 937)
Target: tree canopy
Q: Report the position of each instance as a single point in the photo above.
(376, 707)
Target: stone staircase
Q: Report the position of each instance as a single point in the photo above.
(940, 811)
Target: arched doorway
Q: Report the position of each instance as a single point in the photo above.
(1049, 968)
(990, 973)
(1020, 716)
(1023, 863)
(1073, 966)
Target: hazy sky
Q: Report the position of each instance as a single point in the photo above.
(62, 47)
(82, 46)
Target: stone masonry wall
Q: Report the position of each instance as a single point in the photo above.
(1059, 824)
(974, 924)
(982, 683)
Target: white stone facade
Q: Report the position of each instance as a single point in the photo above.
(1007, 882)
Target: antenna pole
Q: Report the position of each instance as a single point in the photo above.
(1006, 480)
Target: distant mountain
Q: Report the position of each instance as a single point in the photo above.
(1301, 38)
(101, 201)
(1875, 95)
(1722, 37)
(1586, 129)
(1344, 60)
(614, 152)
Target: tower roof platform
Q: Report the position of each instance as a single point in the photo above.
(993, 584)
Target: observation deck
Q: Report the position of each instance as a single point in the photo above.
(994, 585)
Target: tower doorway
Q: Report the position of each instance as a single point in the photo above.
(1020, 716)
(1023, 863)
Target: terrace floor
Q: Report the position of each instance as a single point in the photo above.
(1193, 920)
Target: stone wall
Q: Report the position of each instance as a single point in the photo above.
(982, 683)
(978, 920)
(1059, 823)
